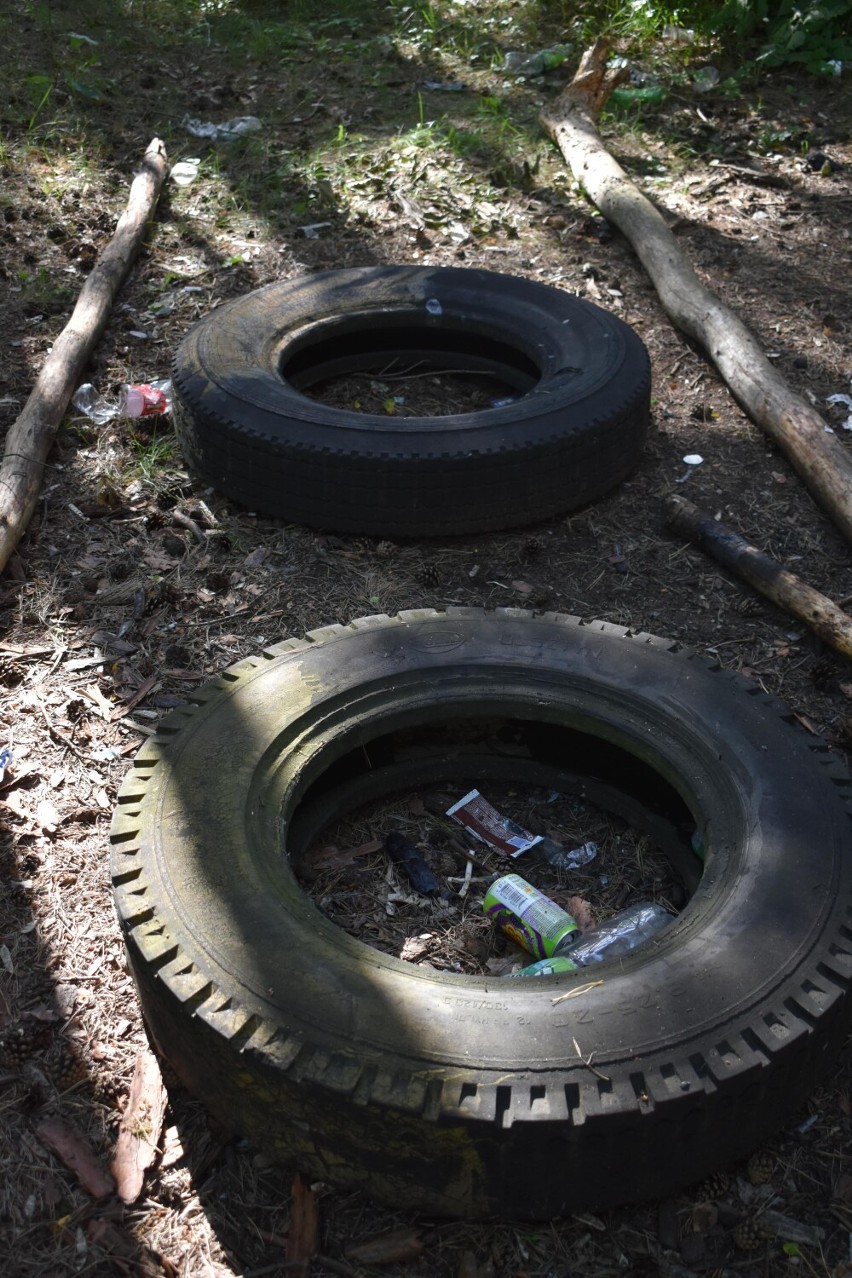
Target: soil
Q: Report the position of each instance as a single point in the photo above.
(135, 583)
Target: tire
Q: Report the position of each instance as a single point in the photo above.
(465, 1096)
(583, 377)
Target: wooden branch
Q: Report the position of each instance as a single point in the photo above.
(784, 588)
(31, 436)
(788, 420)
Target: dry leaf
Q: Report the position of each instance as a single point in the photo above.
(470, 1267)
(15, 803)
(74, 1150)
(48, 816)
(315, 860)
(94, 694)
(704, 1216)
(581, 912)
(386, 1249)
(843, 1188)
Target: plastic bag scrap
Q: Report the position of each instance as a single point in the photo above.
(404, 854)
(620, 934)
(842, 399)
(565, 858)
(226, 132)
(6, 757)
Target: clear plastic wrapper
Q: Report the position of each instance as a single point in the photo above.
(566, 858)
(92, 404)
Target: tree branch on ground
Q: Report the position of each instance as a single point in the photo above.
(789, 421)
(784, 588)
(30, 437)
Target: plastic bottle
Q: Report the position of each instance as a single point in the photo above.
(529, 917)
(647, 94)
(536, 63)
(620, 934)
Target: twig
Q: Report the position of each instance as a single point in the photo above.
(587, 1061)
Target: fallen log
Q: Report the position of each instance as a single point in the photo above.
(31, 436)
(784, 588)
(789, 421)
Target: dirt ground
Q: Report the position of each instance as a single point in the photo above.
(135, 583)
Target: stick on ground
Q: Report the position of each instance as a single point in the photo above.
(31, 436)
(784, 588)
(756, 384)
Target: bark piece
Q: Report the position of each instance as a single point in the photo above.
(303, 1234)
(73, 1149)
(784, 588)
(387, 1249)
(789, 421)
(31, 436)
(139, 1131)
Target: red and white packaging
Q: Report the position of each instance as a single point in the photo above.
(145, 399)
(486, 824)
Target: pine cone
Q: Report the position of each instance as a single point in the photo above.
(532, 548)
(716, 1186)
(67, 1069)
(430, 575)
(18, 1044)
(749, 1235)
(760, 1167)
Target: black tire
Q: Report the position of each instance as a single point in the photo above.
(456, 1095)
(577, 428)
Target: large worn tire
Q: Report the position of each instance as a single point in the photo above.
(581, 378)
(457, 1095)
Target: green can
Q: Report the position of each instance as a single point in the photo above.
(546, 967)
(529, 917)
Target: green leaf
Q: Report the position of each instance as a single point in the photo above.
(791, 1249)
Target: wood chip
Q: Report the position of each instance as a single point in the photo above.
(303, 1234)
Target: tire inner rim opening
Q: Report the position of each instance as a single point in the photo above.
(467, 752)
(402, 347)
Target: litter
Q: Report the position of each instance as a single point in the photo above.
(486, 824)
(226, 132)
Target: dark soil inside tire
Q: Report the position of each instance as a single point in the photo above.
(413, 391)
(350, 877)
